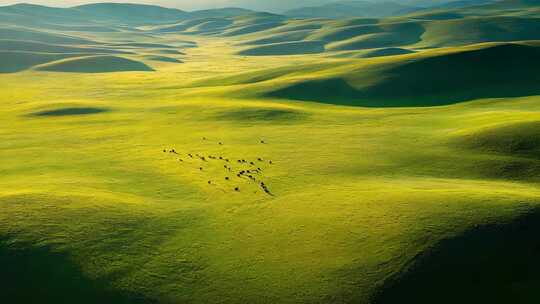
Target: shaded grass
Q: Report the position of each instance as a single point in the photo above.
(16, 61)
(518, 139)
(95, 64)
(469, 74)
(71, 111)
(261, 115)
(39, 274)
(285, 48)
(496, 263)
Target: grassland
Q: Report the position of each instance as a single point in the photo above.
(376, 191)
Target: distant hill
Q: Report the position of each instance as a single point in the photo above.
(106, 14)
(344, 9)
(220, 13)
(131, 13)
(464, 3)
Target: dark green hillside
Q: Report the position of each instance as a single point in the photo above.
(494, 71)
(95, 64)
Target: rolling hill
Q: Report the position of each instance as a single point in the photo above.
(347, 9)
(414, 80)
(155, 155)
(94, 64)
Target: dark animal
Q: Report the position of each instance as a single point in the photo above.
(227, 178)
(236, 189)
(200, 168)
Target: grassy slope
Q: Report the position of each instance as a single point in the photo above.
(358, 192)
(414, 80)
(126, 212)
(95, 64)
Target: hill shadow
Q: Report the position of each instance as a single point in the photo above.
(275, 116)
(40, 275)
(71, 111)
(496, 263)
(518, 139)
(95, 64)
(508, 70)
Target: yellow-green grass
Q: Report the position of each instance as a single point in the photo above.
(358, 193)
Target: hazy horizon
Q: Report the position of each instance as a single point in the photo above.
(276, 5)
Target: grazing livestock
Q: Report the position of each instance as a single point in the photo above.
(237, 189)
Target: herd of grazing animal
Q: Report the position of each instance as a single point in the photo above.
(249, 170)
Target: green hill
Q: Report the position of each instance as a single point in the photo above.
(480, 29)
(417, 81)
(514, 139)
(286, 48)
(162, 58)
(30, 46)
(151, 155)
(95, 64)
(16, 61)
(132, 13)
(40, 36)
(386, 52)
(390, 35)
(344, 9)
